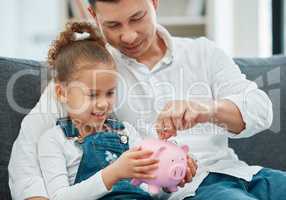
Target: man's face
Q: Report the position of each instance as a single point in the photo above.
(128, 25)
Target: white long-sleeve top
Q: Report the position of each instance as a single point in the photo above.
(192, 69)
(59, 159)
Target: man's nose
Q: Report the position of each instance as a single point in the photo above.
(129, 36)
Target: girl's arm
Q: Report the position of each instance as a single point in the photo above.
(54, 169)
(37, 198)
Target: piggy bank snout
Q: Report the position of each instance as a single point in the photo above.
(177, 172)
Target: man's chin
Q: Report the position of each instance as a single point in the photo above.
(132, 55)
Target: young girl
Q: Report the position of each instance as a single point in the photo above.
(86, 156)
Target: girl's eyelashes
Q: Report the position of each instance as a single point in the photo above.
(110, 93)
(92, 95)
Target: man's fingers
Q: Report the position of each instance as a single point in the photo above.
(178, 122)
(177, 115)
(188, 178)
(182, 183)
(159, 125)
(190, 119)
(192, 166)
(169, 126)
(165, 127)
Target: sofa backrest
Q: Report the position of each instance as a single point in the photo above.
(267, 149)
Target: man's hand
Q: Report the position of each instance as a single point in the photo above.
(191, 172)
(37, 198)
(181, 115)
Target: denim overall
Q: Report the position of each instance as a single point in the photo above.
(99, 150)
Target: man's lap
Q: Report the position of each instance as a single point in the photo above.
(267, 184)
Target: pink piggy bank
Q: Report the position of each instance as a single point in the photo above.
(172, 165)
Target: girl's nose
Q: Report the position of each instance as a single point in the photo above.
(102, 103)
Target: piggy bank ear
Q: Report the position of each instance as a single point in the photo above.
(185, 148)
(158, 152)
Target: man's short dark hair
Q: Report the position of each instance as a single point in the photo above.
(92, 2)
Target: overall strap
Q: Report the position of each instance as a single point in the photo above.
(68, 127)
(71, 131)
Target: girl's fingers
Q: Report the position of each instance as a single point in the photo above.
(141, 154)
(136, 148)
(146, 169)
(144, 162)
(144, 176)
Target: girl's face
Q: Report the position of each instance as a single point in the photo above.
(89, 98)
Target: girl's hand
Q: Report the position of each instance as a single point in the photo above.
(134, 163)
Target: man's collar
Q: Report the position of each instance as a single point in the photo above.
(167, 38)
(164, 34)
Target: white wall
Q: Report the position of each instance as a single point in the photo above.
(220, 26)
(8, 33)
(252, 30)
(241, 27)
(30, 26)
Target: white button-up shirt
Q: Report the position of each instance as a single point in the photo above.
(192, 69)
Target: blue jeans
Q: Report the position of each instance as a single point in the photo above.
(267, 184)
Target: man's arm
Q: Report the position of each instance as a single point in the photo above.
(225, 113)
(241, 107)
(237, 104)
(181, 114)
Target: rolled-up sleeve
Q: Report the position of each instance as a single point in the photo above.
(228, 83)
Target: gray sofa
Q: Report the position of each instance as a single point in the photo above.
(266, 149)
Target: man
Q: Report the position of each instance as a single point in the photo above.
(186, 88)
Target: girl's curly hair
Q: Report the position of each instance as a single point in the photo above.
(69, 53)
